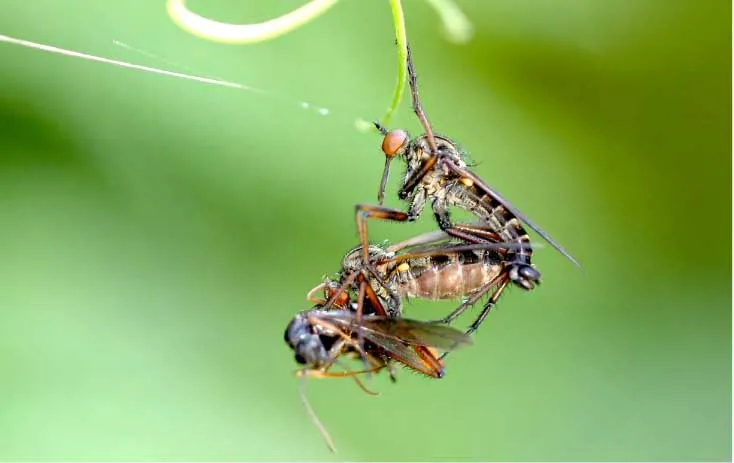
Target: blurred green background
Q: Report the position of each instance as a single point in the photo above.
(156, 234)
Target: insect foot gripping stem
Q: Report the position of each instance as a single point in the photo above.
(524, 275)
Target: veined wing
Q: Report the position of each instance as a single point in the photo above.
(387, 330)
(481, 184)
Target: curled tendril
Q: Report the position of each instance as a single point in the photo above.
(245, 33)
(456, 26)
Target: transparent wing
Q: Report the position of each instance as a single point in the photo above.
(406, 341)
(441, 243)
(499, 198)
(387, 331)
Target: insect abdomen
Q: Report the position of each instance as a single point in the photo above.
(452, 280)
(499, 219)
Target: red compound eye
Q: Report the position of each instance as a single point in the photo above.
(394, 142)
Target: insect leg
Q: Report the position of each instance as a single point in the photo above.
(417, 107)
(369, 211)
(478, 231)
(375, 302)
(499, 279)
(360, 309)
(464, 232)
(417, 204)
(313, 417)
(485, 311)
(323, 374)
(411, 183)
(335, 298)
(469, 233)
(310, 297)
(487, 307)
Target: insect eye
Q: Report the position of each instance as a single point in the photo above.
(394, 142)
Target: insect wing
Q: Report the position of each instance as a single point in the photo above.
(448, 250)
(441, 243)
(416, 356)
(433, 238)
(499, 198)
(414, 332)
(419, 358)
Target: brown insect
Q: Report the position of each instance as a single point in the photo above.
(430, 266)
(437, 174)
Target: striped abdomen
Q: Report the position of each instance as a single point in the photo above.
(445, 277)
(497, 218)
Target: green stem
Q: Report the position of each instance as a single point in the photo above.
(245, 33)
(456, 25)
(402, 41)
(401, 36)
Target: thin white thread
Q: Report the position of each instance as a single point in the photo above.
(138, 67)
(124, 64)
(163, 60)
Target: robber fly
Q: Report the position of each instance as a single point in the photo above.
(321, 337)
(437, 174)
(431, 266)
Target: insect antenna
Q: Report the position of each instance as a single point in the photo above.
(312, 414)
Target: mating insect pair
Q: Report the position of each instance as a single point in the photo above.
(361, 314)
(437, 174)
(431, 266)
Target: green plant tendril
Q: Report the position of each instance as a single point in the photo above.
(245, 33)
(456, 26)
(397, 95)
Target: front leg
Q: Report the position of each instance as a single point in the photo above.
(441, 212)
(417, 204)
(365, 212)
(417, 177)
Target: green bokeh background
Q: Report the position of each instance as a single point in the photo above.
(156, 234)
